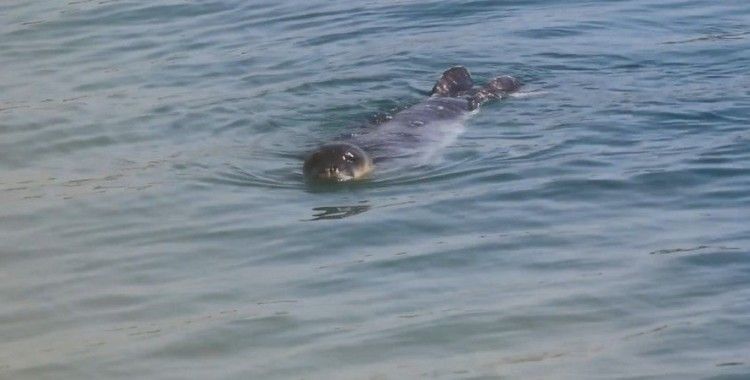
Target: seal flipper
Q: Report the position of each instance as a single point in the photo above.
(494, 89)
(453, 82)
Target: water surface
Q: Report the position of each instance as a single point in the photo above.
(154, 223)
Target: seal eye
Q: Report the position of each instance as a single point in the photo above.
(349, 157)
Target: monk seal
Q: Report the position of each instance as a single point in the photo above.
(453, 97)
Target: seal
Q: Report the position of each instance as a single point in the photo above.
(452, 98)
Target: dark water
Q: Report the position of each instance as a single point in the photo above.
(153, 221)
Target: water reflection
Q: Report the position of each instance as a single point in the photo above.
(338, 212)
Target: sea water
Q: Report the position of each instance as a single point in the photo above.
(154, 223)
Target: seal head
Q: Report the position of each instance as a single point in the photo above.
(337, 162)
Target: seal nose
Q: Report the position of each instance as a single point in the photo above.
(329, 172)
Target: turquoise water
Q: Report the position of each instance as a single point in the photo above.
(154, 223)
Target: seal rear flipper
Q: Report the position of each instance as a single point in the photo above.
(453, 82)
(494, 89)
